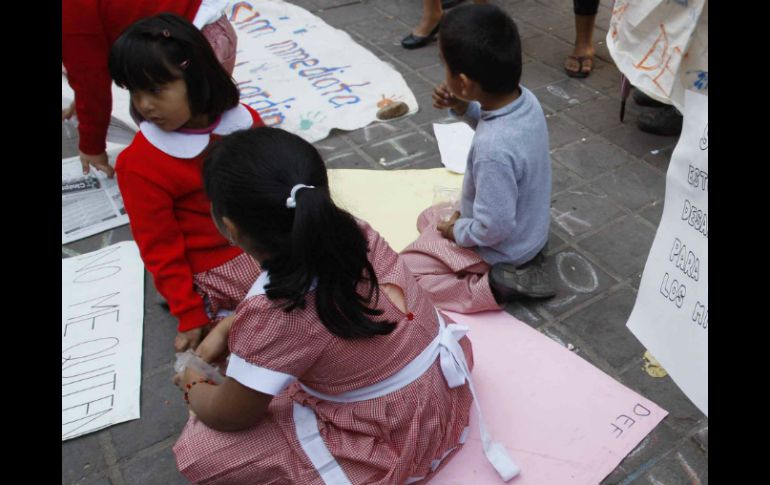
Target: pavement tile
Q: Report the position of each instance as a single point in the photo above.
(622, 246)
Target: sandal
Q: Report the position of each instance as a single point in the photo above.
(583, 62)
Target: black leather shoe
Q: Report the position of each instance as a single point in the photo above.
(412, 41)
(530, 280)
(663, 121)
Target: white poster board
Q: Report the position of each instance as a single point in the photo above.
(661, 46)
(670, 316)
(305, 76)
(90, 203)
(102, 316)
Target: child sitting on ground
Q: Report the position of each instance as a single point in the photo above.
(188, 101)
(491, 251)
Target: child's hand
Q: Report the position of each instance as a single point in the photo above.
(446, 228)
(443, 99)
(188, 340)
(215, 344)
(98, 161)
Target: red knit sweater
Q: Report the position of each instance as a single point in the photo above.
(169, 212)
(89, 28)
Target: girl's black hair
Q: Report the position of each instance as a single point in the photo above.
(157, 50)
(482, 42)
(248, 175)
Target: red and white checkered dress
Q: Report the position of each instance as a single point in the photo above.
(456, 277)
(225, 286)
(385, 440)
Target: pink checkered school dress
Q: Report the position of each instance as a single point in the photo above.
(456, 277)
(225, 286)
(401, 437)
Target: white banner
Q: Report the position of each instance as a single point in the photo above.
(661, 46)
(670, 316)
(306, 77)
(102, 316)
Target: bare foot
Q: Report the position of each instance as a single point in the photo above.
(580, 62)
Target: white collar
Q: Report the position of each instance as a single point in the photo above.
(258, 288)
(190, 145)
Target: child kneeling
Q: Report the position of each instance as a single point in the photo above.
(491, 251)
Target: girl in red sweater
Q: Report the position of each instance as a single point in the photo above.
(187, 101)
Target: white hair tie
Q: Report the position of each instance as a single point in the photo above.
(291, 202)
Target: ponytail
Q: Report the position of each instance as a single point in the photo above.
(313, 245)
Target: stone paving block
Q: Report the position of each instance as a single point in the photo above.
(579, 210)
(653, 212)
(526, 30)
(634, 185)
(660, 158)
(413, 58)
(525, 311)
(379, 130)
(349, 159)
(406, 10)
(535, 75)
(683, 414)
(622, 246)
(701, 438)
(158, 334)
(598, 114)
(334, 143)
(351, 14)
(562, 131)
(687, 464)
(401, 150)
(576, 280)
(605, 78)
(158, 468)
(554, 244)
(603, 323)
(545, 18)
(564, 94)
(163, 412)
(637, 142)
(591, 158)
(381, 31)
(309, 5)
(614, 478)
(562, 179)
(418, 83)
(547, 49)
(81, 458)
(660, 441)
(435, 75)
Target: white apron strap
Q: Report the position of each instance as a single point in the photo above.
(314, 447)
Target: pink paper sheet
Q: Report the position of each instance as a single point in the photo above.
(562, 420)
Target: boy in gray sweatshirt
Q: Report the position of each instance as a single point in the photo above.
(492, 249)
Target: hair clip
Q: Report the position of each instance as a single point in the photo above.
(291, 202)
(183, 65)
(166, 33)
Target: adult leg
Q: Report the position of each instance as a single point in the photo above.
(580, 62)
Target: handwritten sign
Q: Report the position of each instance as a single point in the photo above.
(661, 46)
(306, 77)
(670, 316)
(102, 314)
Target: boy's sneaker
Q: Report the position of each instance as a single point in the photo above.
(530, 280)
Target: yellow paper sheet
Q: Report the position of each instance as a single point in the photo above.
(389, 200)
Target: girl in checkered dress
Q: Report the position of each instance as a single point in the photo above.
(337, 372)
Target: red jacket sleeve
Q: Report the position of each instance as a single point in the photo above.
(161, 245)
(85, 52)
